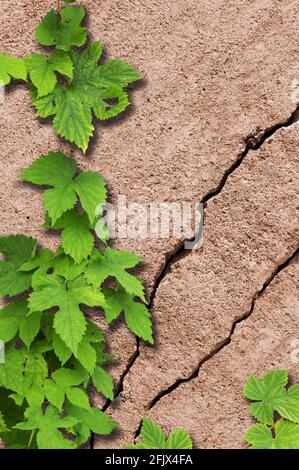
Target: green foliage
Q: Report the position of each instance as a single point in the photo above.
(286, 436)
(68, 83)
(62, 32)
(47, 425)
(152, 437)
(17, 250)
(11, 67)
(276, 408)
(42, 70)
(59, 172)
(53, 350)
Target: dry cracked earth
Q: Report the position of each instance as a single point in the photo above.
(214, 121)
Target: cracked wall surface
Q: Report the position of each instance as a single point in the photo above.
(217, 415)
(251, 228)
(218, 75)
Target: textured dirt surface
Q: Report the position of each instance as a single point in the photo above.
(218, 75)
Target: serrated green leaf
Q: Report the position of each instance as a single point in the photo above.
(117, 72)
(271, 395)
(114, 263)
(8, 323)
(288, 405)
(35, 373)
(18, 249)
(54, 394)
(14, 317)
(73, 119)
(62, 33)
(43, 258)
(39, 265)
(69, 321)
(103, 382)
(152, 435)
(78, 397)
(11, 372)
(45, 106)
(179, 439)
(11, 67)
(154, 438)
(137, 316)
(77, 240)
(29, 328)
(92, 88)
(91, 190)
(53, 169)
(56, 170)
(104, 105)
(65, 266)
(286, 436)
(60, 348)
(42, 68)
(86, 355)
(93, 420)
(63, 384)
(48, 425)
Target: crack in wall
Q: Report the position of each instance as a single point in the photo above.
(252, 142)
(226, 342)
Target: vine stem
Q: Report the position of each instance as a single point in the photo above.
(31, 437)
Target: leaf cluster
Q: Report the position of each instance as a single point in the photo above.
(68, 83)
(276, 409)
(54, 352)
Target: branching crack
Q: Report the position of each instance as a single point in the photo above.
(218, 348)
(252, 143)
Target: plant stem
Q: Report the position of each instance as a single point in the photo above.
(31, 437)
(58, 7)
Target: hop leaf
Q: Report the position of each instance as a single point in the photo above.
(93, 87)
(11, 372)
(35, 373)
(270, 395)
(11, 67)
(48, 425)
(114, 263)
(137, 316)
(63, 384)
(286, 436)
(152, 435)
(77, 240)
(42, 70)
(69, 322)
(93, 420)
(63, 33)
(179, 439)
(14, 317)
(154, 438)
(17, 249)
(87, 354)
(58, 171)
(103, 383)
